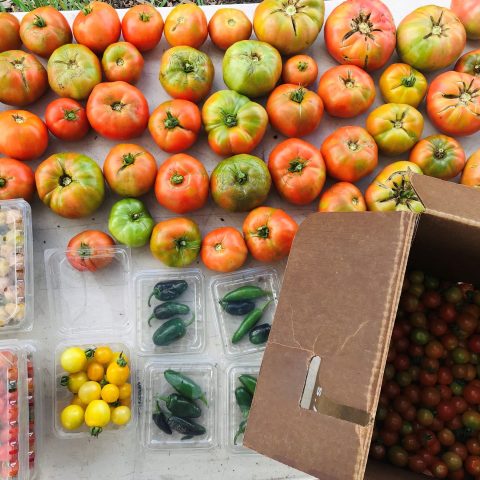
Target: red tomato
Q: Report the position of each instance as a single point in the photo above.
(342, 197)
(453, 103)
(346, 91)
(300, 70)
(142, 26)
(90, 250)
(130, 170)
(294, 111)
(182, 184)
(471, 172)
(96, 26)
(269, 233)
(472, 465)
(117, 110)
(471, 393)
(468, 11)
(9, 32)
(297, 170)
(469, 63)
(224, 250)
(186, 24)
(228, 26)
(350, 154)
(67, 119)
(122, 62)
(175, 125)
(24, 135)
(17, 180)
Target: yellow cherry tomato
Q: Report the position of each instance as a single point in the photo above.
(110, 393)
(117, 355)
(72, 417)
(126, 402)
(76, 401)
(89, 391)
(97, 416)
(121, 415)
(95, 371)
(125, 391)
(103, 355)
(118, 372)
(74, 381)
(73, 360)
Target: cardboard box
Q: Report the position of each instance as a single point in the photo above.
(336, 312)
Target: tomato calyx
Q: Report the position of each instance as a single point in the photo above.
(402, 191)
(118, 106)
(64, 381)
(144, 17)
(349, 81)
(129, 159)
(262, 232)
(439, 152)
(437, 27)
(302, 66)
(18, 118)
(240, 177)
(181, 243)
(39, 22)
(409, 81)
(18, 63)
(120, 62)
(218, 247)
(298, 95)
(231, 22)
(87, 9)
(362, 25)
(353, 145)
(89, 352)
(188, 67)
(70, 115)
(65, 180)
(96, 431)
(466, 94)
(297, 165)
(121, 360)
(398, 122)
(176, 179)
(171, 122)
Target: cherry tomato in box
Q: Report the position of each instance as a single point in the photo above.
(67, 119)
(142, 26)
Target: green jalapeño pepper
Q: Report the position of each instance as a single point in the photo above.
(241, 307)
(188, 427)
(248, 292)
(259, 334)
(170, 331)
(185, 386)
(249, 382)
(249, 322)
(160, 420)
(168, 310)
(240, 431)
(244, 400)
(181, 406)
(168, 290)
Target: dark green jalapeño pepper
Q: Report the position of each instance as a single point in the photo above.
(259, 334)
(168, 310)
(249, 322)
(188, 428)
(238, 308)
(160, 420)
(171, 331)
(240, 431)
(168, 290)
(244, 400)
(185, 386)
(248, 292)
(249, 382)
(181, 406)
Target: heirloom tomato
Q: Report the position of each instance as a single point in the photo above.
(90, 250)
(122, 61)
(350, 153)
(430, 38)
(233, 122)
(294, 111)
(175, 125)
(298, 170)
(469, 63)
(9, 32)
(96, 26)
(439, 156)
(227, 26)
(142, 26)
(396, 127)
(251, 68)
(186, 73)
(117, 110)
(130, 170)
(224, 250)
(471, 172)
(392, 190)
(269, 233)
(240, 183)
(67, 119)
(346, 91)
(130, 222)
(23, 79)
(361, 33)
(16, 180)
(186, 25)
(181, 184)
(342, 197)
(468, 11)
(400, 83)
(71, 184)
(453, 103)
(44, 29)
(290, 26)
(300, 70)
(24, 135)
(176, 242)
(73, 71)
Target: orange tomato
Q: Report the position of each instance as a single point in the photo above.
(95, 371)
(342, 197)
(9, 32)
(227, 26)
(142, 26)
(471, 172)
(17, 180)
(300, 70)
(186, 24)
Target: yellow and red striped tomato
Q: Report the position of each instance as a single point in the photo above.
(122, 61)
(471, 172)
(342, 197)
(300, 70)
(469, 63)
(186, 25)
(9, 32)
(16, 180)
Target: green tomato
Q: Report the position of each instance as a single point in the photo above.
(130, 222)
(240, 183)
(251, 68)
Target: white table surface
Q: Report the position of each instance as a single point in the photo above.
(120, 457)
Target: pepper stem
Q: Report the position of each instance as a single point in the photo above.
(150, 297)
(152, 316)
(187, 324)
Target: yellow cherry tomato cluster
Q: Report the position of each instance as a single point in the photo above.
(99, 381)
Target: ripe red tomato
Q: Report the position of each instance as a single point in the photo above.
(468, 11)
(175, 125)
(269, 233)
(90, 250)
(24, 135)
(472, 465)
(350, 154)
(130, 170)
(294, 111)
(342, 197)
(96, 26)
(67, 119)
(474, 343)
(142, 26)
(224, 250)
(117, 110)
(471, 393)
(186, 24)
(182, 184)
(228, 26)
(346, 91)
(16, 180)
(300, 70)
(122, 61)
(298, 170)
(9, 32)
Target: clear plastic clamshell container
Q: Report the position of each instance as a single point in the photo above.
(147, 304)
(154, 385)
(266, 279)
(16, 266)
(90, 302)
(234, 416)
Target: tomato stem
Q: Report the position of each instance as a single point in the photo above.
(65, 180)
(241, 177)
(145, 17)
(120, 62)
(352, 145)
(117, 106)
(230, 120)
(298, 95)
(171, 122)
(440, 153)
(96, 431)
(188, 67)
(218, 247)
(39, 22)
(176, 179)
(84, 251)
(89, 352)
(302, 66)
(3, 182)
(129, 159)
(297, 165)
(262, 232)
(70, 115)
(409, 81)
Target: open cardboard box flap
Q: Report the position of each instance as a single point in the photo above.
(337, 307)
